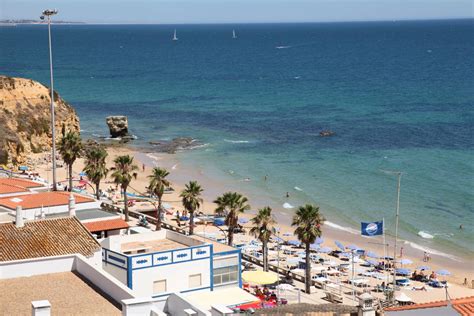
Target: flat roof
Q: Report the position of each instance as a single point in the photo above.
(153, 245)
(45, 199)
(229, 297)
(68, 293)
(88, 214)
(217, 247)
(105, 225)
(21, 182)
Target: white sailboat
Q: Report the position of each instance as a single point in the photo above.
(233, 34)
(174, 36)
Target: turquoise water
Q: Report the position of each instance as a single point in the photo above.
(399, 96)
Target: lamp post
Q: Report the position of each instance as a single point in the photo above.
(47, 14)
(397, 215)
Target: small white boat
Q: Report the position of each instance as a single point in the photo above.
(175, 38)
(233, 34)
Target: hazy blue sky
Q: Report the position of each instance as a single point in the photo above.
(229, 11)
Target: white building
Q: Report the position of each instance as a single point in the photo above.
(160, 263)
(35, 205)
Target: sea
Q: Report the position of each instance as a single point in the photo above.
(397, 95)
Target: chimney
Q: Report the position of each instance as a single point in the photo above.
(19, 217)
(72, 205)
(40, 308)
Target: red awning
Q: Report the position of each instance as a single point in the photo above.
(106, 225)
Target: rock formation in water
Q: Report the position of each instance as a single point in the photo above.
(25, 119)
(118, 125)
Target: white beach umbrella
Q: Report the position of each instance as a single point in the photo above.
(402, 297)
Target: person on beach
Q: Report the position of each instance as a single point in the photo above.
(143, 167)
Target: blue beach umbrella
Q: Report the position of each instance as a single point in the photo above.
(345, 254)
(23, 168)
(372, 262)
(324, 250)
(82, 174)
(278, 239)
(353, 247)
(403, 271)
(294, 242)
(372, 254)
(319, 240)
(406, 261)
(443, 272)
(423, 268)
(340, 245)
(315, 246)
(243, 220)
(219, 221)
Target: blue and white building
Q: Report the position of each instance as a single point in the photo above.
(160, 263)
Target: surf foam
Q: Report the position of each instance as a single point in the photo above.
(236, 141)
(287, 205)
(425, 235)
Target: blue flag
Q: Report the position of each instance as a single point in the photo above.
(371, 229)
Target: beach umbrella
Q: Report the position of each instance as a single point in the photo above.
(324, 250)
(82, 174)
(352, 247)
(403, 298)
(402, 271)
(315, 246)
(259, 277)
(319, 240)
(406, 261)
(372, 262)
(243, 220)
(340, 245)
(294, 242)
(293, 260)
(345, 254)
(423, 268)
(443, 272)
(23, 168)
(372, 254)
(278, 239)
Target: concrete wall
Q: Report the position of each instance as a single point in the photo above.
(36, 266)
(118, 273)
(36, 212)
(112, 287)
(188, 241)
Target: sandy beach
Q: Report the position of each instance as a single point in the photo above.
(460, 269)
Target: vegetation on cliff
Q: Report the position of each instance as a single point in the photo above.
(25, 119)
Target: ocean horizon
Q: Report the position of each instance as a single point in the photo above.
(397, 95)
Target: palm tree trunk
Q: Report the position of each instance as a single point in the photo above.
(125, 200)
(230, 237)
(97, 190)
(265, 256)
(308, 270)
(70, 177)
(158, 214)
(191, 222)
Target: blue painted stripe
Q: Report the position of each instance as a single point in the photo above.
(197, 289)
(230, 252)
(211, 267)
(115, 265)
(165, 264)
(117, 259)
(174, 250)
(129, 274)
(240, 268)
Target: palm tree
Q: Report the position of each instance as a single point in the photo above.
(308, 221)
(123, 175)
(70, 148)
(263, 229)
(191, 198)
(157, 186)
(96, 166)
(231, 204)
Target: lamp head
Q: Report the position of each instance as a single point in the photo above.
(49, 12)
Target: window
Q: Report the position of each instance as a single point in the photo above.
(194, 280)
(159, 286)
(226, 275)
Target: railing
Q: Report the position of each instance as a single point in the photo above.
(152, 220)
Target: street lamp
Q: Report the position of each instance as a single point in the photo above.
(397, 214)
(47, 14)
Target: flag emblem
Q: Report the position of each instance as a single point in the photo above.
(372, 228)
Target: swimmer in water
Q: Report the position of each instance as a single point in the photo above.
(265, 178)
(287, 194)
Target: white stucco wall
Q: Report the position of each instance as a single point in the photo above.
(118, 273)
(33, 213)
(176, 275)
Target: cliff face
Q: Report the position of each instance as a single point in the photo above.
(25, 119)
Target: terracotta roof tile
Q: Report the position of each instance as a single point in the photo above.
(46, 238)
(10, 188)
(97, 226)
(464, 306)
(21, 182)
(41, 199)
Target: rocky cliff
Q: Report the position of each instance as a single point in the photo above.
(25, 119)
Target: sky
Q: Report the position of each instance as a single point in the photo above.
(237, 11)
